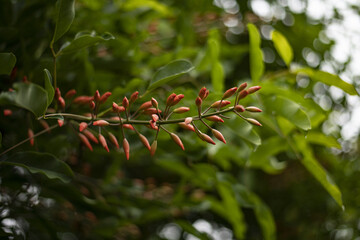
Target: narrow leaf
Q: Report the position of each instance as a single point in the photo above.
(217, 77)
(48, 87)
(282, 46)
(43, 163)
(65, 14)
(322, 139)
(7, 63)
(256, 57)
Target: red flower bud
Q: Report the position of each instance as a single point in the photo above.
(177, 99)
(144, 141)
(113, 139)
(103, 142)
(198, 101)
(61, 102)
(154, 117)
(253, 121)
(57, 93)
(239, 108)
(70, 93)
(90, 136)
(188, 120)
(217, 104)
(153, 148)
(187, 126)
(253, 89)
(7, 112)
(45, 125)
(154, 103)
(116, 108)
(92, 105)
(145, 105)
(181, 110)
(202, 93)
(170, 99)
(101, 123)
(253, 109)
(151, 111)
(243, 94)
(153, 124)
(128, 126)
(97, 96)
(60, 122)
(134, 96)
(206, 138)
(242, 87)
(82, 126)
(125, 102)
(215, 118)
(229, 92)
(85, 141)
(218, 135)
(83, 100)
(177, 140)
(31, 136)
(104, 97)
(126, 147)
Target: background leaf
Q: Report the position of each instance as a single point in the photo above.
(7, 63)
(48, 86)
(217, 77)
(65, 14)
(256, 56)
(282, 46)
(43, 163)
(322, 139)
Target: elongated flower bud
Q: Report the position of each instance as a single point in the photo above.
(177, 140)
(207, 138)
(85, 141)
(153, 124)
(151, 111)
(103, 142)
(181, 110)
(187, 126)
(170, 99)
(253, 121)
(90, 136)
(239, 108)
(45, 125)
(83, 100)
(253, 89)
(60, 122)
(202, 93)
(104, 97)
(154, 103)
(218, 135)
(215, 118)
(253, 109)
(31, 136)
(217, 104)
(116, 108)
(177, 99)
(144, 141)
(128, 126)
(188, 120)
(243, 94)
(7, 112)
(82, 126)
(101, 123)
(113, 139)
(92, 105)
(126, 147)
(242, 87)
(133, 97)
(125, 102)
(61, 102)
(145, 105)
(198, 101)
(153, 148)
(70, 93)
(154, 117)
(229, 92)
(97, 96)
(57, 93)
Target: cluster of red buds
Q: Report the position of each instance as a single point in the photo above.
(120, 114)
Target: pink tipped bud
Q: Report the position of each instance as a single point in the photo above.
(153, 148)
(82, 126)
(229, 92)
(239, 108)
(101, 123)
(177, 140)
(218, 135)
(253, 89)
(60, 122)
(92, 105)
(7, 112)
(198, 101)
(97, 96)
(45, 125)
(85, 141)
(145, 105)
(113, 139)
(181, 110)
(215, 118)
(61, 102)
(253, 121)
(206, 94)
(144, 141)
(151, 111)
(83, 100)
(104, 97)
(154, 103)
(177, 99)
(31, 136)
(116, 108)
(243, 94)
(188, 120)
(128, 126)
(125, 102)
(202, 93)
(153, 124)
(154, 117)
(187, 126)
(170, 99)
(253, 109)
(126, 147)
(103, 142)
(206, 138)
(70, 93)
(242, 87)
(217, 104)
(57, 93)
(134, 96)
(90, 136)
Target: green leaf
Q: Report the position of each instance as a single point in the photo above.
(322, 139)
(169, 72)
(154, 5)
(283, 47)
(65, 14)
(187, 227)
(7, 63)
(329, 79)
(256, 57)
(31, 97)
(57, 117)
(48, 87)
(217, 77)
(84, 40)
(312, 165)
(289, 110)
(244, 130)
(43, 163)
